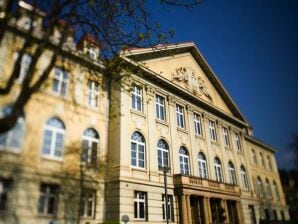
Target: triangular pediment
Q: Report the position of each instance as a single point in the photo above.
(183, 66)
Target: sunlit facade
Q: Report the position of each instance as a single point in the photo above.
(82, 152)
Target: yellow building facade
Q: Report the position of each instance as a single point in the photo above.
(84, 151)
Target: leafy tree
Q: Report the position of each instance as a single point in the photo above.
(114, 24)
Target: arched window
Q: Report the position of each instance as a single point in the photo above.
(202, 166)
(244, 177)
(53, 139)
(232, 173)
(276, 190)
(268, 189)
(163, 154)
(260, 186)
(13, 138)
(218, 170)
(137, 147)
(184, 160)
(90, 146)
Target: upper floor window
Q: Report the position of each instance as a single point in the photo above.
(269, 163)
(160, 108)
(93, 93)
(260, 187)
(48, 199)
(169, 210)
(276, 190)
(184, 161)
(140, 205)
(90, 146)
(254, 156)
(268, 189)
(262, 160)
(202, 166)
(237, 140)
(137, 147)
(60, 82)
(232, 173)
(180, 116)
(53, 138)
(136, 98)
(212, 130)
(218, 170)
(226, 136)
(88, 203)
(244, 178)
(5, 187)
(12, 139)
(25, 63)
(163, 154)
(198, 124)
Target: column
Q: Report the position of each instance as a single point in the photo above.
(225, 207)
(184, 210)
(239, 212)
(188, 208)
(207, 212)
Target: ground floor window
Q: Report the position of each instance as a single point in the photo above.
(48, 199)
(140, 207)
(88, 203)
(252, 214)
(170, 211)
(5, 187)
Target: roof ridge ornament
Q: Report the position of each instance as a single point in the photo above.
(193, 82)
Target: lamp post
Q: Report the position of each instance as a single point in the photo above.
(165, 170)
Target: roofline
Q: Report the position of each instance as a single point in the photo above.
(201, 61)
(260, 143)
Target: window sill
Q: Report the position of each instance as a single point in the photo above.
(182, 130)
(10, 149)
(135, 168)
(200, 137)
(162, 122)
(140, 113)
(51, 158)
(214, 143)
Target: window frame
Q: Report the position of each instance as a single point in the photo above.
(140, 197)
(180, 117)
(137, 98)
(138, 144)
(160, 107)
(268, 189)
(5, 189)
(232, 173)
(184, 161)
(61, 81)
(170, 208)
(238, 142)
(260, 187)
(218, 170)
(226, 138)
(92, 153)
(162, 151)
(254, 157)
(202, 164)
(276, 191)
(85, 203)
(244, 178)
(93, 93)
(198, 124)
(48, 195)
(212, 131)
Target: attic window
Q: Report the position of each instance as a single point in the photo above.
(92, 53)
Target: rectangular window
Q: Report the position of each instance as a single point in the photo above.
(5, 187)
(226, 136)
(48, 199)
(93, 93)
(60, 82)
(269, 163)
(212, 130)
(180, 116)
(170, 208)
(140, 205)
(160, 108)
(262, 160)
(237, 140)
(25, 63)
(198, 124)
(88, 203)
(136, 98)
(254, 156)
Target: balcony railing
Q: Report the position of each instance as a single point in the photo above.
(192, 181)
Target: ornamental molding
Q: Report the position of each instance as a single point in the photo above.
(194, 83)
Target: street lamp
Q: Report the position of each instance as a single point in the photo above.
(165, 170)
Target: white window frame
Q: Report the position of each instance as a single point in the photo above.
(202, 164)
(260, 187)
(25, 63)
(268, 188)
(61, 81)
(269, 163)
(232, 173)
(254, 157)
(164, 152)
(137, 98)
(218, 170)
(88, 196)
(90, 140)
(140, 198)
(212, 131)
(47, 196)
(170, 208)
(276, 190)
(93, 93)
(180, 116)
(198, 124)
(238, 142)
(54, 131)
(138, 144)
(184, 161)
(262, 160)
(160, 108)
(226, 138)
(244, 178)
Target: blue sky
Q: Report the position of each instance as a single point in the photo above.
(253, 48)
